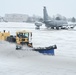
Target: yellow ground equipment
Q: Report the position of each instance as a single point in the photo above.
(4, 35)
(23, 38)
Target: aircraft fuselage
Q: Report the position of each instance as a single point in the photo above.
(55, 23)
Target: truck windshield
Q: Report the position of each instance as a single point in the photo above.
(23, 35)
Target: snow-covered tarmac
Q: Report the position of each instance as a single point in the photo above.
(25, 62)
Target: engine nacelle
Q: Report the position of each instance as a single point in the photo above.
(38, 24)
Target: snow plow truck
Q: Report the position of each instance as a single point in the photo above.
(24, 38)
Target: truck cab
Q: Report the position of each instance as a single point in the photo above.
(24, 38)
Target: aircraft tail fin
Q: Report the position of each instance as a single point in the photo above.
(45, 15)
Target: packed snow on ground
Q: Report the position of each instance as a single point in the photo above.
(28, 62)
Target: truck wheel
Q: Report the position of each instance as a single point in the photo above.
(29, 44)
(18, 47)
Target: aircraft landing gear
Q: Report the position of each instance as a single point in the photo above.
(52, 27)
(57, 28)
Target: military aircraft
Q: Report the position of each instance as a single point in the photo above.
(53, 24)
(57, 24)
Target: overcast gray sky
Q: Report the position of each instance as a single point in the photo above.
(66, 8)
